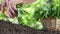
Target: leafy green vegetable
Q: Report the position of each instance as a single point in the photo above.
(32, 13)
(26, 18)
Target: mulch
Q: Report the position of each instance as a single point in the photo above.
(6, 27)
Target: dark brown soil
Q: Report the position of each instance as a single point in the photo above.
(7, 28)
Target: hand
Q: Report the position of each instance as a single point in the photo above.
(11, 6)
(12, 10)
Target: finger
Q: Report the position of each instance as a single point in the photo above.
(9, 13)
(12, 11)
(15, 10)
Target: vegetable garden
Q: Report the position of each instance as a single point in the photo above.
(40, 15)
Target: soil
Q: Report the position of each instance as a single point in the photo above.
(6, 27)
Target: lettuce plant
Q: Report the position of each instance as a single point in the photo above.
(32, 13)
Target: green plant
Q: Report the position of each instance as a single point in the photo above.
(26, 18)
(32, 13)
(49, 9)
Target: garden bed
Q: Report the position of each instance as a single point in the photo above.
(7, 28)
